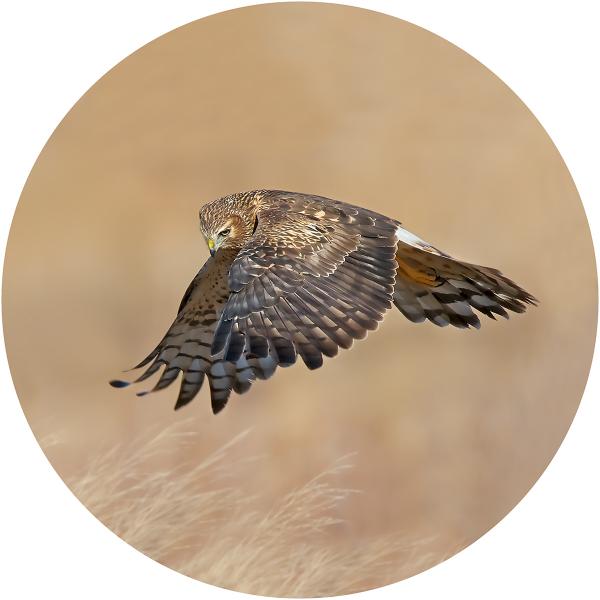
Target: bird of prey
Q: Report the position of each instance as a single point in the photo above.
(294, 274)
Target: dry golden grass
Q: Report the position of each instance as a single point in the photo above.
(194, 519)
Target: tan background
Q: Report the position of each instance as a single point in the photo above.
(450, 428)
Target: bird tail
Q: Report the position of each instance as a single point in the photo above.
(431, 285)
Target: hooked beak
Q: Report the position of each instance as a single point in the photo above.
(211, 247)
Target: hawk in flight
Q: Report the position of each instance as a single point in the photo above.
(300, 275)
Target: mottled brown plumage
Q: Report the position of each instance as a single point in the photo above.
(299, 275)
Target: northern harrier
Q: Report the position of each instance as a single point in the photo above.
(300, 275)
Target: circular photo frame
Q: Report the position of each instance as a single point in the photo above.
(318, 172)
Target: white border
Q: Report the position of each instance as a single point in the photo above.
(548, 546)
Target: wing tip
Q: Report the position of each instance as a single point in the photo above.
(119, 383)
(218, 404)
(181, 402)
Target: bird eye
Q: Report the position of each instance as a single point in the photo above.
(224, 232)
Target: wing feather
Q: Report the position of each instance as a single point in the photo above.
(321, 273)
(432, 285)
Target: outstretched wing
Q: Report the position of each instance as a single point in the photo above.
(186, 347)
(315, 276)
(432, 285)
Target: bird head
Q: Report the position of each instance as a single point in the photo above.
(228, 222)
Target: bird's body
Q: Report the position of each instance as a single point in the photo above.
(300, 275)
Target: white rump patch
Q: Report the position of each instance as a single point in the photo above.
(405, 236)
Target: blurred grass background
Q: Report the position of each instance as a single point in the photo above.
(450, 428)
(194, 518)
